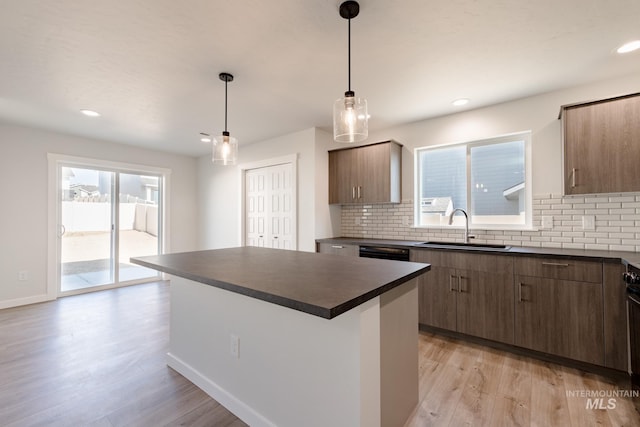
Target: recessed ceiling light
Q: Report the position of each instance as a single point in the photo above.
(90, 113)
(205, 137)
(629, 47)
(461, 101)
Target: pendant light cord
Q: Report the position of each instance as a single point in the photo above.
(349, 52)
(225, 104)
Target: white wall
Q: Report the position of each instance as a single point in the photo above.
(219, 190)
(23, 222)
(538, 114)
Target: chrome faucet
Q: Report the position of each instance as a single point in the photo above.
(466, 223)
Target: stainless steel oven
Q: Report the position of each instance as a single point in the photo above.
(632, 279)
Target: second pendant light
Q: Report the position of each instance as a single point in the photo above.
(350, 116)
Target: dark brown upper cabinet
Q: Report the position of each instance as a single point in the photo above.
(602, 145)
(366, 174)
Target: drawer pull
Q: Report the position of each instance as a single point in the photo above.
(460, 279)
(555, 264)
(353, 192)
(337, 247)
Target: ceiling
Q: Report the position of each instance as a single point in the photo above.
(150, 67)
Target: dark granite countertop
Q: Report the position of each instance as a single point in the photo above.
(632, 258)
(317, 284)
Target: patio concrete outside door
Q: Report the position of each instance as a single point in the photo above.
(269, 210)
(106, 217)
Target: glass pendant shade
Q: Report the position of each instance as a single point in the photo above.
(350, 119)
(225, 149)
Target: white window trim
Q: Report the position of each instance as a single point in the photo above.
(527, 226)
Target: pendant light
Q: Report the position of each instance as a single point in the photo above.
(350, 118)
(225, 147)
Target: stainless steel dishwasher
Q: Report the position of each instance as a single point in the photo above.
(384, 252)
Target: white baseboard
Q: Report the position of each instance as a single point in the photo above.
(25, 301)
(220, 395)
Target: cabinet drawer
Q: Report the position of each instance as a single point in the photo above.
(486, 263)
(558, 268)
(337, 249)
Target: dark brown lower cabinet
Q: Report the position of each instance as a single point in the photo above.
(560, 307)
(560, 317)
(437, 299)
(485, 307)
(467, 293)
(572, 308)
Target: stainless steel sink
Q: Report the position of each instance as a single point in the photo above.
(458, 245)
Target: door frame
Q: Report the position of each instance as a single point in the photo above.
(55, 161)
(243, 168)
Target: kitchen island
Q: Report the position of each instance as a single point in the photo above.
(293, 338)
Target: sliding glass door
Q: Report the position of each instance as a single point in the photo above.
(139, 223)
(106, 217)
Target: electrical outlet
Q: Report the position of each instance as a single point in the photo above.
(589, 222)
(23, 275)
(235, 346)
(547, 222)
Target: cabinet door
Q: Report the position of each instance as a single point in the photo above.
(373, 174)
(560, 317)
(485, 305)
(436, 291)
(615, 317)
(601, 142)
(437, 298)
(342, 176)
(485, 297)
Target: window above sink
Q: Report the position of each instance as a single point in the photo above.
(488, 178)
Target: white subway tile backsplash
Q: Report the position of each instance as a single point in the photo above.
(617, 220)
(622, 199)
(616, 205)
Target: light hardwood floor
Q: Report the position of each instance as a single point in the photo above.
(98, 360)
(465, 384)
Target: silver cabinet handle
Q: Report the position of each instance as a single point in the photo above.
(573, 177)
(353, 192)
(359, 192)
(555, 264)
(337, 247)
(520, 292)
(460, 278)
(451, 279)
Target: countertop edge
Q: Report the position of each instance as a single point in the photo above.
(626, 258)
(323, 312)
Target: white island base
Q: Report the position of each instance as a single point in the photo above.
(295, 369)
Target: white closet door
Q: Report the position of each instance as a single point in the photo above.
(269, 207)
(256, 189)
(281, 213)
